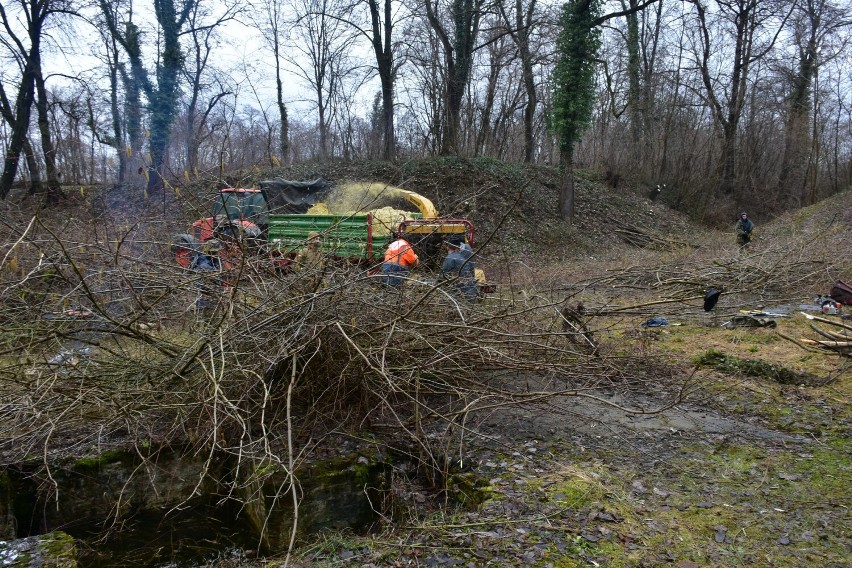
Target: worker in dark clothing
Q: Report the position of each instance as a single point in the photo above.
(208, 264)
(744, 229)
(459, 266)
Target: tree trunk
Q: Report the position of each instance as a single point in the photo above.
(162, 98)
(192, 142)
(458, 58)
(284, 125)
(33, 167)
(529, 110)
(566, 190)
(634, 90)
(521, 29)
(284, 132)
(485, 135)
(388, 130)
(163, 103)
(797, 139)
(523, 40)
(728, 160)
(383, 50)
(791, 180)
(23, 106)
(117, 129)
(452, 115)
(29, 153)
(323, 127)
(54, 190)
(133, 116)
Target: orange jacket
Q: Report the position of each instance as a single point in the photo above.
(400, 252)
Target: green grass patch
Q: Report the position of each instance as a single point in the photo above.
(733, 365)
(759, 497)
(576, 493)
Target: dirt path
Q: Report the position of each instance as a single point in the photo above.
(578, 482)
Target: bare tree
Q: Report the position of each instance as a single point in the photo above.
(202, 36)
(70, 110)
(162, 95)
(457, 28)
(499, 86)
(387, 65)
(117, 137)
(815, 24)
(273, 25)
(641, 40)
(54, 190)
(522, 29)
(746, 25)
(422, 94)
(321, 41)
(29, 153)
(27, 52)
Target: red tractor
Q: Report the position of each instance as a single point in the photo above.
(238, 214)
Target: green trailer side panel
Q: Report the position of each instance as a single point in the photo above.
(344, 236)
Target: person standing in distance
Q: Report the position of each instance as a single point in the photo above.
(744, 229)
(310, 264)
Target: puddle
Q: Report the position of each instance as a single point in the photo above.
(123, 513)
(187, 538)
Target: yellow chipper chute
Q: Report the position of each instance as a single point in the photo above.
(426, 207)
(428, 211)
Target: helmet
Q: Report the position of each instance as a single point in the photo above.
(743, 214)
(213, 245)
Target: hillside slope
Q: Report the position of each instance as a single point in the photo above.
(514, 202)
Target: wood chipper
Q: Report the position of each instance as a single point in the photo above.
(276, 219)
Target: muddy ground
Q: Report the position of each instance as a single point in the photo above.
(744, 473)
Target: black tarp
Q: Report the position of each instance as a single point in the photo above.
(285, 196)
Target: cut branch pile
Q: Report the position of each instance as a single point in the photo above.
(775, 274)
(108, 343)
(643, 238)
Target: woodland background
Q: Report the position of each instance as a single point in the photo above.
(730, 103)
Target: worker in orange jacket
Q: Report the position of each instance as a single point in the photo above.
(400, 258)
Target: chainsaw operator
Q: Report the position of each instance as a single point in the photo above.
(400, 258)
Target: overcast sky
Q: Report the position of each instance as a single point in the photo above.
(242, 55)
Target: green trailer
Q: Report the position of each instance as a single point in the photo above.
(343, 236)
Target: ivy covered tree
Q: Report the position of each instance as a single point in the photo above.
(163, 93)
(573, 83)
